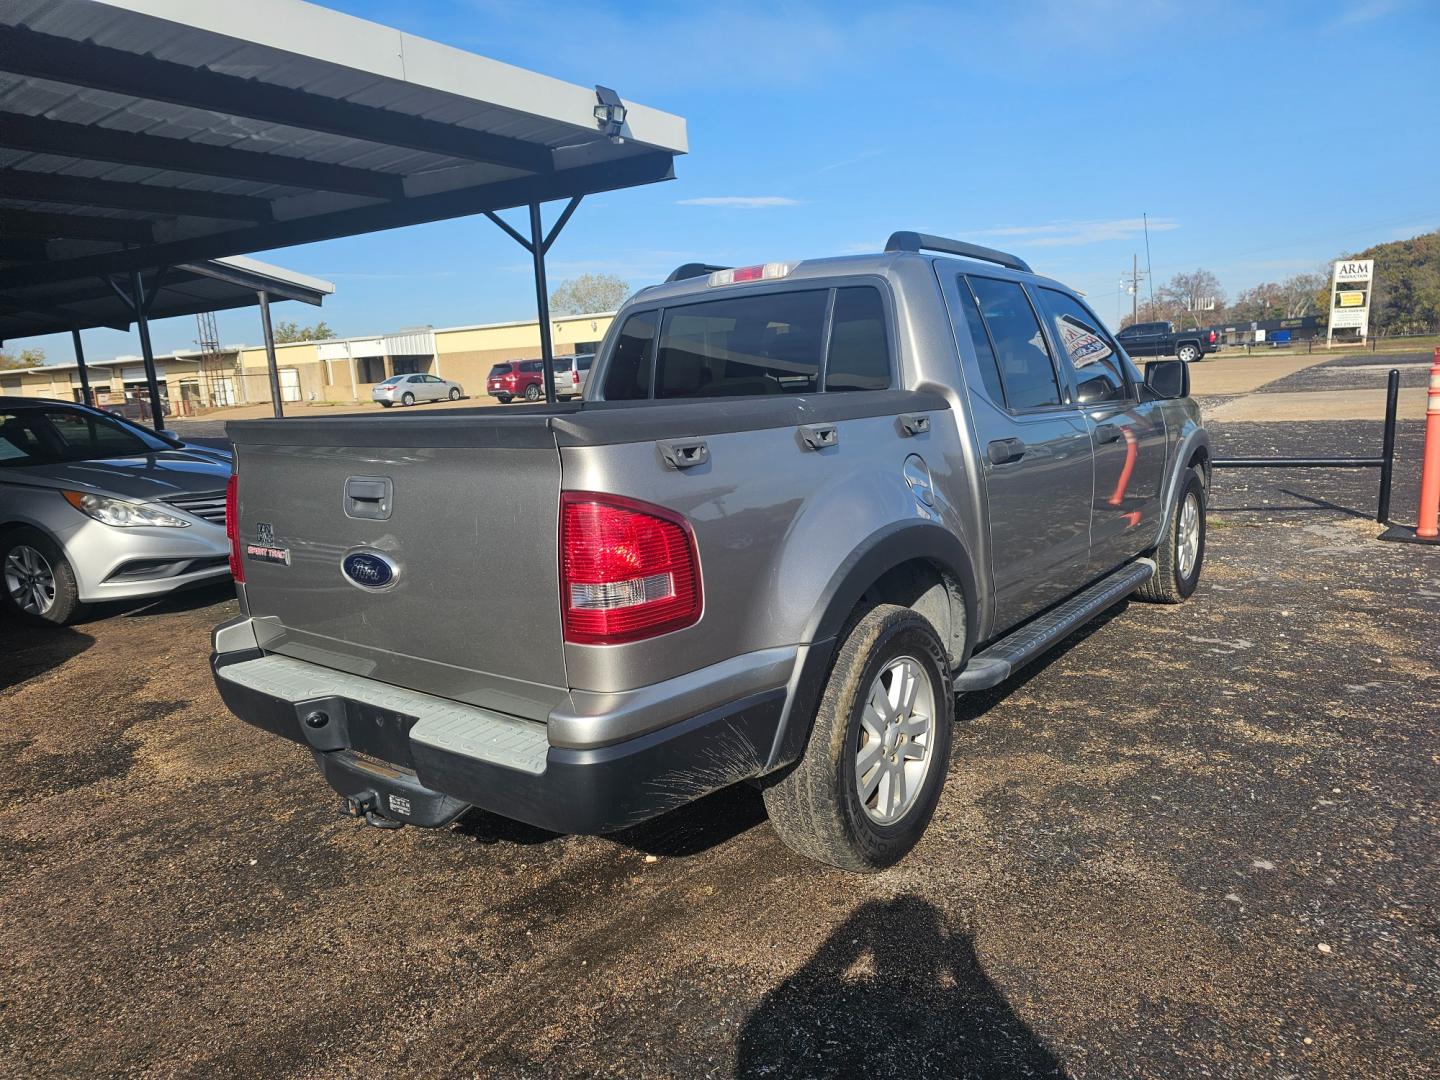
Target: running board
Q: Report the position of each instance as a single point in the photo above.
(1025, 643)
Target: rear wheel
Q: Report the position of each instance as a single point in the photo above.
(866, 787)
(1188, 353)
(504, 399)
(1181, 553)
(454, 393)
(407, 398)
(532, 392)
(38, 582)
(386, 404)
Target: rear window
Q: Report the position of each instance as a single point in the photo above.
(498, 370)
(859, 345)
(742, 346)
(627, 378)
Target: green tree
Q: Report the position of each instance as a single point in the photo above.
(589, 293)
(1406, 292)
(25, 358)
(287, 331)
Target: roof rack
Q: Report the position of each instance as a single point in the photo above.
(914, 241)
(692, 270)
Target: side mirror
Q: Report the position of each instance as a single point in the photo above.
(1168, 379)
(1092, 390)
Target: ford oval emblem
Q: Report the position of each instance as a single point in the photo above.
(369, 569)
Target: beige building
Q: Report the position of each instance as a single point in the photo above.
(339, 369)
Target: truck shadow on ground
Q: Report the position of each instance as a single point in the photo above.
(893, 991)
(27, 651)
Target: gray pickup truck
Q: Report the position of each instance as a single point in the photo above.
(800, 507)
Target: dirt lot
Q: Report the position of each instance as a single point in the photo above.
(1196, 841)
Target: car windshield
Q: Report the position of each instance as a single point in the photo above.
(55, 436)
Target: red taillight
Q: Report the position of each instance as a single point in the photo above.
(628, 570)
(749, 273)
(232, 526)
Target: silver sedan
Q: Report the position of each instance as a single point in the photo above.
(93, 507)
(408, 389)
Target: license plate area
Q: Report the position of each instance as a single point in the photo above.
(337, 723)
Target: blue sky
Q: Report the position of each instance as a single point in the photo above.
(1261, 140)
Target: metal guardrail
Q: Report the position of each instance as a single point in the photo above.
(1385, 462)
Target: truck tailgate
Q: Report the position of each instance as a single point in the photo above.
(468, 531)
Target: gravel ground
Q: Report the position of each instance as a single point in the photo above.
(1195, 841)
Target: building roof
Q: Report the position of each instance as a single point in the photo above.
(186, 289)
(145, 133)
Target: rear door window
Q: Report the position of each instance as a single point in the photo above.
(984, 350)
(1099, 376)
(737, 346)
(627, 376)
(532, 366)
(1024, 358)
(859, 357)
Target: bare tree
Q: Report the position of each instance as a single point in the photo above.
(589, 293)
(1193, 294)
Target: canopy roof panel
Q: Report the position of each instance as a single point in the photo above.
(145, 133)
(184, 289)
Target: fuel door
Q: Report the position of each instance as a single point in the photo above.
(917, 475)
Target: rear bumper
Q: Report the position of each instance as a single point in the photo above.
(440, 766)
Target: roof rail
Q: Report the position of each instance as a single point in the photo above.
(692, 270)
(914, 241)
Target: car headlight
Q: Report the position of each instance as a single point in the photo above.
(121, 512)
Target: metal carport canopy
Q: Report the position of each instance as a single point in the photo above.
(186, 289)
(139, 134)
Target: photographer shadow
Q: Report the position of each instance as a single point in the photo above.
(892, 992)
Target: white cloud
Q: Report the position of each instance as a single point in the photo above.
(744, 202)
(1072, 233)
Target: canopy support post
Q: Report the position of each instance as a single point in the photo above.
(270, 362)
(538, 244)
(85, 395)
(142, 322)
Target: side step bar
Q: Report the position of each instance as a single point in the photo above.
(1026, 642)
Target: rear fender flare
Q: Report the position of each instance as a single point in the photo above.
(1192, 439)
(879, 553)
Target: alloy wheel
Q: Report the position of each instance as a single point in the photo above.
(1187, 540)
(892, 755)
(29, 580)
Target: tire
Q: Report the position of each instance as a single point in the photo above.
(407, 398)
(454, 393)
(37, 583)
(532, 392)
(1189, 353)
(386, 404)
(816, 806)
(504, 399)
(1170, 585)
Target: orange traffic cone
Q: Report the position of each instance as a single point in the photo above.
(1426, 529)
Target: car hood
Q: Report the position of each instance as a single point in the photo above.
(163, 475)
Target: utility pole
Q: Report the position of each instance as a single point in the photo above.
(1131, 283)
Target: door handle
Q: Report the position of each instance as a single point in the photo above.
(819, 436)
(1004, 451)
(1107, 433)
(369, 497)
(914, 423)
(684, 453)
